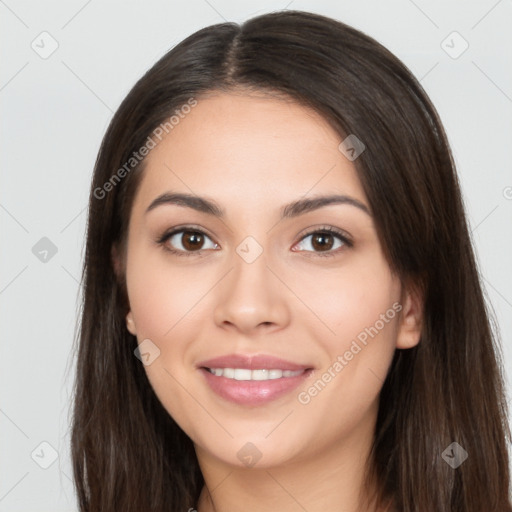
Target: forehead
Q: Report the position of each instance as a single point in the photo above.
(251, 150)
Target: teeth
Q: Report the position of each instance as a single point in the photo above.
(245, 374)
(242, 374)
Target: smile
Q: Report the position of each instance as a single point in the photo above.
(253, 388)
(246, 374)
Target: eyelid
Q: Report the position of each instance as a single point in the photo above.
(342, 235)
(161, 240)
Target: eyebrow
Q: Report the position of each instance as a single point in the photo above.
(290, 210)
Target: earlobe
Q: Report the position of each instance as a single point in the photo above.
(130, 324)
(411, 320)
(117, 265)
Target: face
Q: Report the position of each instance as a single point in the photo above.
(253, 275)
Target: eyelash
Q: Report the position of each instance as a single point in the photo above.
(192, 229)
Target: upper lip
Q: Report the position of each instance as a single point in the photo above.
(252, 362)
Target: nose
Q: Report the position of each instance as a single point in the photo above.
(251, 298)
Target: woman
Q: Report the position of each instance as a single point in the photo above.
(282, 309)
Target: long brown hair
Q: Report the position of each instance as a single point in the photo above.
(128, 453)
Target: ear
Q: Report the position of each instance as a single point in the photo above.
(411, 318)
(130, 324)
(118, 267)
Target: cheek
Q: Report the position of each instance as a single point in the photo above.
(164, 304)
(161, 295)
(360, 306)
(351, 299)
(365, 307)
(169, 305)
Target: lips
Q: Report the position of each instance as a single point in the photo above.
(252, 362)
(256, 391)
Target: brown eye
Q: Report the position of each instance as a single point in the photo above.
(322, 241)
(326, 241)
(192, 240)
(185, 242)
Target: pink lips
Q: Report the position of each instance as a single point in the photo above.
(252, 392)
(255, 362)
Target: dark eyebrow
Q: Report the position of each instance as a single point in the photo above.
(306, 205)
(293, 209)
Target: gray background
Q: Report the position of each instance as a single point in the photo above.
(55, 111)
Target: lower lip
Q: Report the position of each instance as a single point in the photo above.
(253, 392)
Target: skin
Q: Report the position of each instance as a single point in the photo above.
(253, 154)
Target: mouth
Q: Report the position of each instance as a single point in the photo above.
(252, 380)
(260, 374)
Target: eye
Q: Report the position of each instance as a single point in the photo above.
(185, 241)
(323, 241)
(189, 240)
